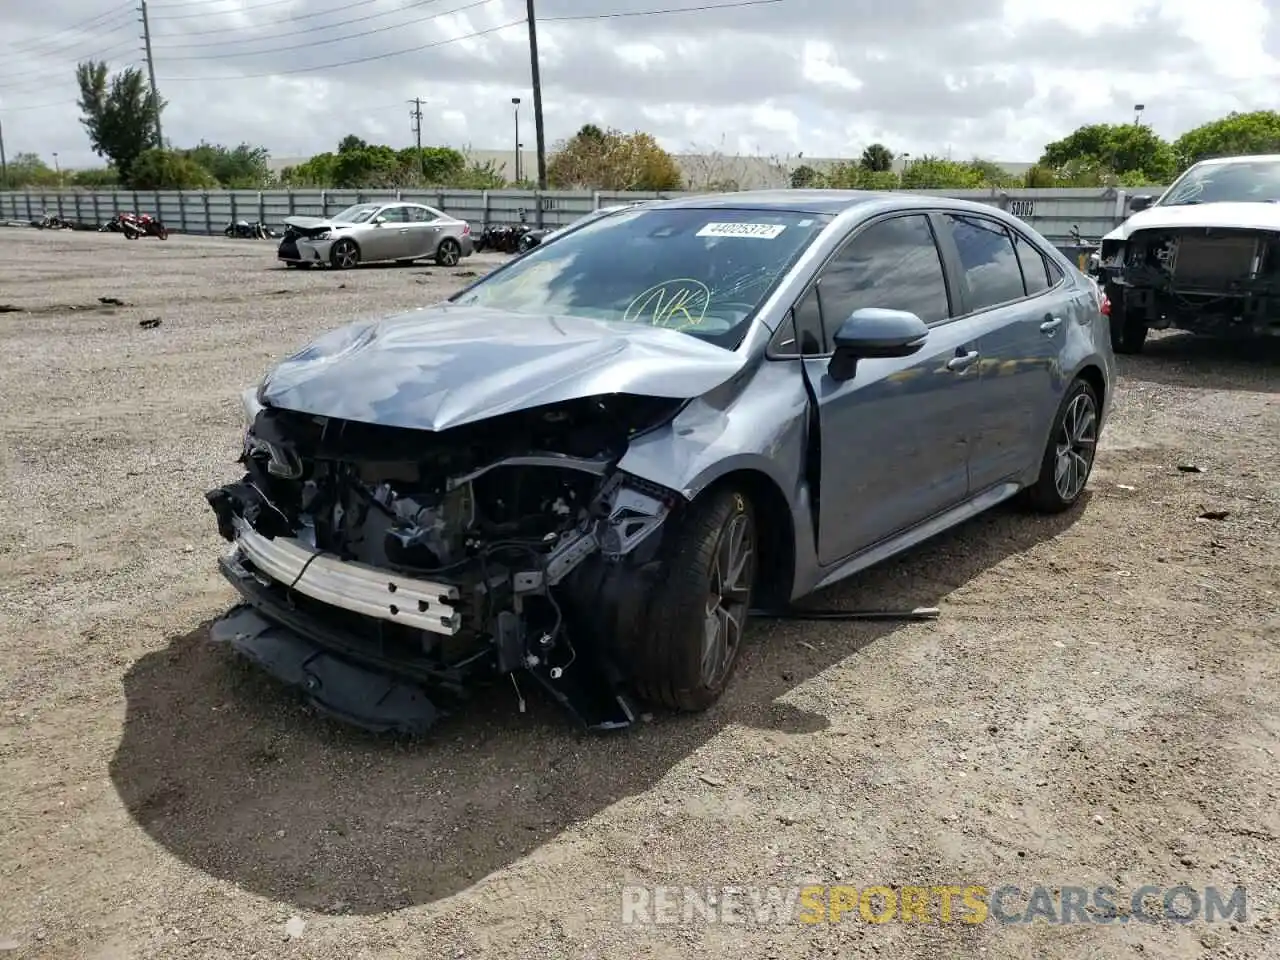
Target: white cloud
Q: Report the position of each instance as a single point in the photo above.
(996, 78)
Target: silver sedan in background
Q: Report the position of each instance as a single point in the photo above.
(373, 233)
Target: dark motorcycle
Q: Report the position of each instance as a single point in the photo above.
(116, 223)
(243, 229)
(504, 239)
(144, 226)
(532, 239)
(52, 222)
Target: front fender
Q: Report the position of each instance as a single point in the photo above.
(757, 421)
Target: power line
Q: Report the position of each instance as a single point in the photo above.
(349, 36)
(41, 106)
(92, 35)
(348, 63)
(215, 13)
(5, 81)
(81, 27)
(659, 13)
(306, 30)
(302, 16)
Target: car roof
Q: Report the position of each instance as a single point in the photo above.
(1244, 158)
(830, 202)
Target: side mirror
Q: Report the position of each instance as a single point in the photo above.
(1137, 204)
(875, 333)
(379, 221)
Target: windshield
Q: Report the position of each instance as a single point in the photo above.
(1243, 181)
(700, 271)
(357, 214)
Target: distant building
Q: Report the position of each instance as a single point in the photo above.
(701, 171)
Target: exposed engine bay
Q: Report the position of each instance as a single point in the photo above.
(447, 556)
(1203, 279)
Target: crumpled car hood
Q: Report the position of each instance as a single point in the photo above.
(1242, 216)
(447, 365)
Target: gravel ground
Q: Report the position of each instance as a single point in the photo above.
(1098, 704)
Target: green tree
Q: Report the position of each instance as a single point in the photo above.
(118, 112)
(28, 170)
(991, 174)
(1236, 134)
(1112, 149)
(854, 176)
(434, 166)
(157, 169)
(877, 158)
(236, 168)
(315, 172)
(937, 173)
(595, 159)
(95, 178)
(1039, 176)
(804, 176)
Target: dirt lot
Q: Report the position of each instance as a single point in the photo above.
(1099, 703)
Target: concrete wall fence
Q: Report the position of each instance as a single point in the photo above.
(1053, 212)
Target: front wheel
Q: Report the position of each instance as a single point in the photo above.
(448, 253)
(1068, 457)
(685, 659)
(345, 255)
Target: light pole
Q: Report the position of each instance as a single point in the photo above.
(57, 170)
(1137, 114)
(515, 102)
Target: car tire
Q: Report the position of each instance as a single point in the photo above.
(1069, 454)
(678, 664)
(345, 255)
(1128, 333)
(449, 252)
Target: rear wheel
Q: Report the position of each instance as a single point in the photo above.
(686, 658)
(345, 255)
(449, 252)
(1068, 457)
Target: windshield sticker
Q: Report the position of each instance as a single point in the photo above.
(753, 231)
(676, 304)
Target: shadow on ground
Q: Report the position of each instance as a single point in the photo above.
(230, 773)
(1207, 363)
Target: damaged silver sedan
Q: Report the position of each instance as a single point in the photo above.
(590, 467)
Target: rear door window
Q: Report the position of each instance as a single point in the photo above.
(988, 261)
(1035, 269)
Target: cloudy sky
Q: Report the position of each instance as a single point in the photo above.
(990, 78)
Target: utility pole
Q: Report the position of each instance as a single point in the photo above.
(416, 116)
(4, 166)
(151, 70)
(537, 97)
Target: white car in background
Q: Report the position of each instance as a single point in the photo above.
(375, 233)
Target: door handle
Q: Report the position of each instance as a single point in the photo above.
(963, 361)
(1051, 324)
(405, 230)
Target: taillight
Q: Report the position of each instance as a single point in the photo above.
(1105, 309)
(466, 229)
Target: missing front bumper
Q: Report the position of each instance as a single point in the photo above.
(349, 677)
(336, 687)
